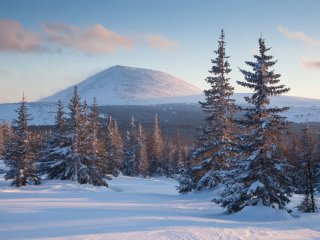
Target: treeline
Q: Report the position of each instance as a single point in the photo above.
(79, 148)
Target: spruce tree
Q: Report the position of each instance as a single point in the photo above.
(131, 150)
(70, 152)
(210, 157)
(90, 172)
(142, 154)
(179, 154)
(185, 176)
(21, 152)
(71, 163)
(157, 163)
(308, 166)
(94, 127)
(113, 149)
(54, 153)
(118, 144)
(259, 172)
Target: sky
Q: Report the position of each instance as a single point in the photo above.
(48, 45)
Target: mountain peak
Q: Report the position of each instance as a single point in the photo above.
(125, 85)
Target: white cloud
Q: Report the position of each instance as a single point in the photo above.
(301, 36)
(56, 36)
(314, 64)
(93, 39)
(13, 37)
(158, 41)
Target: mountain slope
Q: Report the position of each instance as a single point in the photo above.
(120, 85)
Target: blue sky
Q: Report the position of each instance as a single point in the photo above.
(47, 45)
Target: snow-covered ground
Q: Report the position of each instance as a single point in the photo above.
(40, 113)
(135, 208)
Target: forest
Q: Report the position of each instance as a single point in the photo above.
(251, 152)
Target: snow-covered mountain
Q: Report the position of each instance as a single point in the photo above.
(120, 85)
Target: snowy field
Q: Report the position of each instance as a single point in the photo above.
(135, 208)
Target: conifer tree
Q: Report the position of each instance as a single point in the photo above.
(131, 150)
(213, 149)
(70, 150)
(60, 119)
(118, 144)
(21, 152)
(186, 178)
(94, 127)
(142, 154)
(157, 163)
(308, 168)
(54, 152)
(71, 164)
(259, 172)
(90, 157)
(179, 154)
(113, 149)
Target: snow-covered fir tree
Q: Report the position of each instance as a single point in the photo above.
(156, 152)
(94, 127)
(113, 149)
(308, 171)
(118, 143)
(69, 152)
(77, 136)
(21, 151)
(131, 150)
(54, 152)
(60, 119)
(259, 172)
(91, 158)
(142, 154)
(179, 154)
(68, 163)
(185, 175)
(213, 148)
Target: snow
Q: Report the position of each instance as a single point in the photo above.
(254, 186)
(40, 113)
(122, 85)
(262, 214)
(137, 208)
